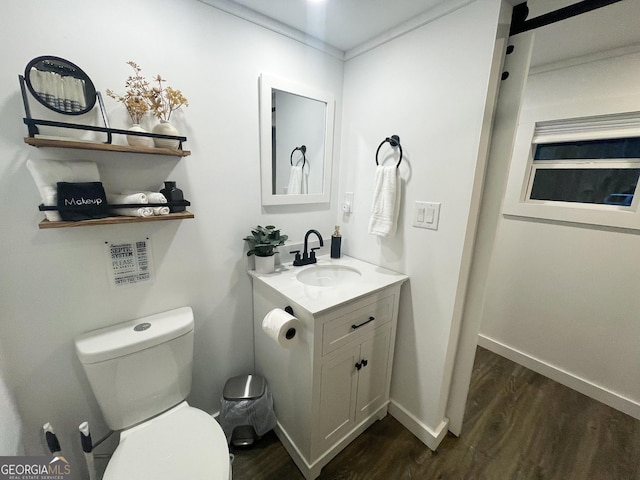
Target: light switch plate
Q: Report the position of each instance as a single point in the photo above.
(426, 215)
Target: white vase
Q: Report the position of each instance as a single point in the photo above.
(135, 140)
(165, 128)
(265, 264)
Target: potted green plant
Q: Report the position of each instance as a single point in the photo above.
(263, 243)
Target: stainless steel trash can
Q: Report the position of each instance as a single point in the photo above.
(247, 410)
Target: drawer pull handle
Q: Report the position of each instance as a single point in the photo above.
(358, 366)
(355, 327)
(364, 362)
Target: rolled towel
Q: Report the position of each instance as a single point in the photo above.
(133, 212)
(161, 210)
(386, 202)
(156, 197)
(126, 198)
(152, 197)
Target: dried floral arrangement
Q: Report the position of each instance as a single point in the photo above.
(135, 98)
(165, 100)
(140, 97)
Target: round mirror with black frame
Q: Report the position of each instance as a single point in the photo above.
(60, 85)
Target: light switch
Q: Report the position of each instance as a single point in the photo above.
(427, 215)
(430, 214)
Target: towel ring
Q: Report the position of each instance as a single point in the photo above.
(394, 141)
(302, 149)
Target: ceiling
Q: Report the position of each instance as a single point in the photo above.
(343, 24)
(348, 24)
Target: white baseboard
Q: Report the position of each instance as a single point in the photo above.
(427, 435)
(592, 390)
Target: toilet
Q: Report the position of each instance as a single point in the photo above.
(140, 374)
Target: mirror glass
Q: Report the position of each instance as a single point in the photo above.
(60, 85)
(296, 136)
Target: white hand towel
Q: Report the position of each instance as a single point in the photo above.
(122, 198)
(47, 173)
(386, 202)
(133, 212)
(295, 180)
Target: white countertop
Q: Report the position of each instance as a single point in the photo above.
(317, 299)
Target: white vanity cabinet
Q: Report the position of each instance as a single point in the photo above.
(334, 383)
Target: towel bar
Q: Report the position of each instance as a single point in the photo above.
(394, 141)
(303, 150)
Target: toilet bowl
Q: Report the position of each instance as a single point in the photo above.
(140, 373)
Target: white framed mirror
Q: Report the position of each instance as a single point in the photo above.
(296, 142)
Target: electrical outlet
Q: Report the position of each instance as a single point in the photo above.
(347, 205)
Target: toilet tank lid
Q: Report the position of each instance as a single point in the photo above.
(134, 335)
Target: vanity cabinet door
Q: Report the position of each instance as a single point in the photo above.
(338, 388)
(372, 376)
(353, 386)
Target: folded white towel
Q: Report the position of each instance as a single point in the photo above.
(47, 173)
(386, 202)
(295, 180)
(122, 198)
(133, 212)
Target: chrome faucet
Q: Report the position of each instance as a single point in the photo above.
(307, 258)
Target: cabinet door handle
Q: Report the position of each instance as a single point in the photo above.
(358, 366)
(364, 362)
(355, 327)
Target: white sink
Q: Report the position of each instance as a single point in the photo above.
(328, 275)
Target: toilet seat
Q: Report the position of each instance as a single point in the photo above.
(183, 442)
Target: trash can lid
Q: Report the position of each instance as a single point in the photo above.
(244, 387)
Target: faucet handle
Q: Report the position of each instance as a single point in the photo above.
(296, 260)
(313, 254)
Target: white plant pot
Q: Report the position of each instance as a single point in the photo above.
(165, 128)
(265, 264)
(136, 141)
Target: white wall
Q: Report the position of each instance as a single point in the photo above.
(430, 88)
(54, 282)
(560, 298)
(11, 438)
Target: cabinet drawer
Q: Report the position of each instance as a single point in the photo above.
(355, 324)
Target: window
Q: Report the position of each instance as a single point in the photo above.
(582, 170)
(603, 172)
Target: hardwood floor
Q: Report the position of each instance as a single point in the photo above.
(518, 425)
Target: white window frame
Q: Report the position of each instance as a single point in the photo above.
(587, 164)
(532, 132)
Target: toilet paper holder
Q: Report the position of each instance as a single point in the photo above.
(292, 331)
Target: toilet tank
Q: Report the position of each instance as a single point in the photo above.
(140, 368)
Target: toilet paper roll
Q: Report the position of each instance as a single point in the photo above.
(283, 328)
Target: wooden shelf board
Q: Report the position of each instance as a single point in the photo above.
(44, 224)
(47, 142)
